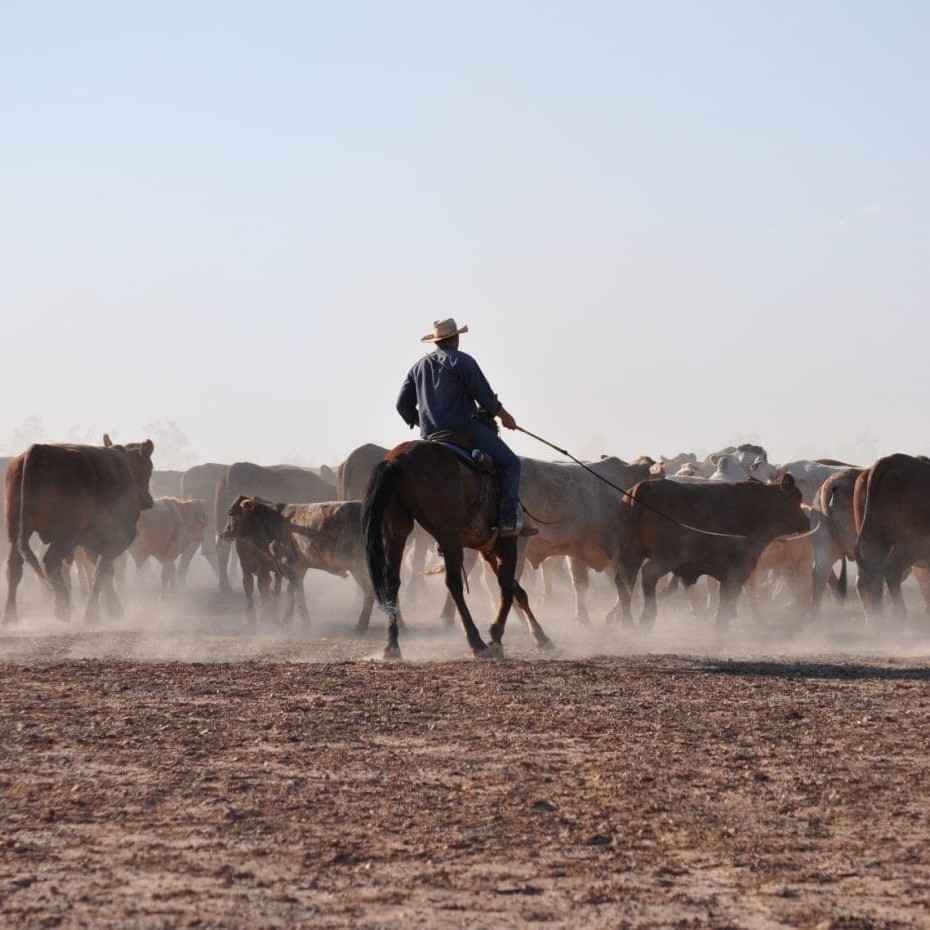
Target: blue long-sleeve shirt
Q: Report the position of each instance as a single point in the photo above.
(441, 392)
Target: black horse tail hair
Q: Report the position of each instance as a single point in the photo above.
(378, 496)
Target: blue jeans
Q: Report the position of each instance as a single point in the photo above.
(506, 461)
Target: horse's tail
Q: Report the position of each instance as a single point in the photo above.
(378, 497)
(841, 584)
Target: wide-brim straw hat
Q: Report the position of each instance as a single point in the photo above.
(443, 329)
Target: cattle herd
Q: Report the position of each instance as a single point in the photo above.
(744, 523)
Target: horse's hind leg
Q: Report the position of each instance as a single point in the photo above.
(394, 556)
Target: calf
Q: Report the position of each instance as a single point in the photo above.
(297, 537)
(169, 529)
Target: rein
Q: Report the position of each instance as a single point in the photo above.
(642, 503)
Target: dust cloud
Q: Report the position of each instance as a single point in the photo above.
(199, 624)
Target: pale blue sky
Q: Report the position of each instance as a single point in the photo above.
(666, 224)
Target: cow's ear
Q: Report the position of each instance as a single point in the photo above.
(786, 481)
(107, 442)
(147, 448)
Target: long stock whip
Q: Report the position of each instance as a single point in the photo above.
(625, 493)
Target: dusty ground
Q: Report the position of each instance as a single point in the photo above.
(194, 773)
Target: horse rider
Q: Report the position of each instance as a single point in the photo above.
(444, 391)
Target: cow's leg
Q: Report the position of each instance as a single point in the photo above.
(448, 611)
(301, 594)
(263, 580)
(622, 608)
(184, 562)
(922, 577)
(14, 574)
(223, 548)
(418, 556)
(730, 588)
(651, 572)
(114, 605)
(581, 583)
(52, 561)
(870, 561)
(248, 586)
(167, 577)
(821, 576)
(453, 555)
(895, 572)
(103, 579)
(753, 599)
(698, 600)
(290, 600)
(368, 601)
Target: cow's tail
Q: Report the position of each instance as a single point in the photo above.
(876, 473)
(24, 531)
(377, 499)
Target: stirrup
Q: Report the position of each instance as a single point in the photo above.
(508, 528)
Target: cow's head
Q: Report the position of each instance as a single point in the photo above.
(762, 469)
(139, 459)
(789, 516)
(238, 518)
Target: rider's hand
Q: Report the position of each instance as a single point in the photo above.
(507, 419)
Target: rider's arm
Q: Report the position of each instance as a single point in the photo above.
(407, 402)
(506, 418)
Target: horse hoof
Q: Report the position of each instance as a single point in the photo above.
(545, 645)
(392, 654)
(495, 650)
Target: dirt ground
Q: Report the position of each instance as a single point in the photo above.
(188, 771)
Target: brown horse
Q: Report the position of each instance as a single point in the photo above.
(456, 504)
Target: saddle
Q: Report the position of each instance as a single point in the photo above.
(466, 450)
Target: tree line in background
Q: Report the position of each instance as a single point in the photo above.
(174, 451)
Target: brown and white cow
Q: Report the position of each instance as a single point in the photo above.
(277, 482)
(73, 495)
(297, 537)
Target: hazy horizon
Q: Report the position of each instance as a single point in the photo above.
(669, 227)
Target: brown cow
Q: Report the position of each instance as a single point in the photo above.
(745, 515)
(892, 512)
(324, 536)
(353, 475)
(72, 495)
(170, 528)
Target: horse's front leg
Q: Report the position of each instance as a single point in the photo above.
(453, 554)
